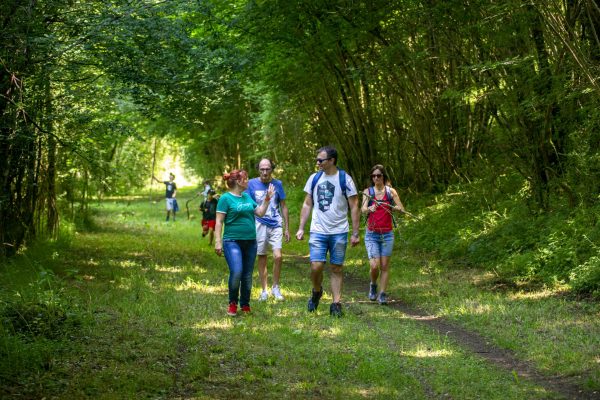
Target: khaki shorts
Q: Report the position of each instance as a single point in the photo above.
(272, 237)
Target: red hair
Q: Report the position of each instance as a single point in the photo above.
(234, 176)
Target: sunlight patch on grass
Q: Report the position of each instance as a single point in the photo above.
(168, 269)
(479, 278)
(126, 264)
(220, 324)
(379, 391)
(202, 287)
(92, 263)
(173, 269)
(474, 307)
(428, 353)
(331, 332)
(440, 206)
(354, 262)
(284, 312)
(363, 392)
(544, 294)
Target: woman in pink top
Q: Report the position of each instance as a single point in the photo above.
(379, 201)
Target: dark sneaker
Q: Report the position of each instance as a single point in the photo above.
(313, 302)
(382, 299)
(373, 292)
(335, 310)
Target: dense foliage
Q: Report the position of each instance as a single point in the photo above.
(442, 93)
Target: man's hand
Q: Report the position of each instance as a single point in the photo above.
(300, 234)
(354, 239)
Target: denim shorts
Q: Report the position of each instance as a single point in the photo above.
(379, 244)
(335, 244)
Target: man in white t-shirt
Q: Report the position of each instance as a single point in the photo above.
(170, 193)
(329, 193)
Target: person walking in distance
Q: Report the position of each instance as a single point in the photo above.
(270, 229)
(329, 194)
(235, 220)
(209, 215)
(170, 194)
(379, 201)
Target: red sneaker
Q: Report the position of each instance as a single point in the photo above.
(246, 309)
(232, 310)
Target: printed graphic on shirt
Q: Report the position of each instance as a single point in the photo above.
(272, 210)
(170, 189)
(325, 193)
(244, 207)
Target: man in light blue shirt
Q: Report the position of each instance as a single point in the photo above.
(271, 228)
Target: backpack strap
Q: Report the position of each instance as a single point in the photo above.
(314, 181)
(388, 194)
(342, 182)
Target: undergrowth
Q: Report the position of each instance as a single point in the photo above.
(494, 228)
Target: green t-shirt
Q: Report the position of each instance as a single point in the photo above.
(239, 216)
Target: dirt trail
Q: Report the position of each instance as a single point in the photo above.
(506, 359)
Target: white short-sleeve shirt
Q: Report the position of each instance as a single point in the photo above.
(330, 206)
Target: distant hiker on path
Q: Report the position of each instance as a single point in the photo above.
(205, 190)
(271, 228)
(379, 201)
(170, 194)
(236, 211)
(329, 193)
(209, 215)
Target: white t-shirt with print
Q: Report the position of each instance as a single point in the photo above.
(330, 207)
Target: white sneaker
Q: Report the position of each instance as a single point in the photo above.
(263, 296)
(276, 293)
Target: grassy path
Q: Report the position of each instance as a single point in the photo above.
(144, 305)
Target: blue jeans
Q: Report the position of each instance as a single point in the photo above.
(240, 256)
(320, 243)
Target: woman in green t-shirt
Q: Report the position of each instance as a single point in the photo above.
(236, 210)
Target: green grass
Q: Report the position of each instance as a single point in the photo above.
(134, 307)
(561, 336)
